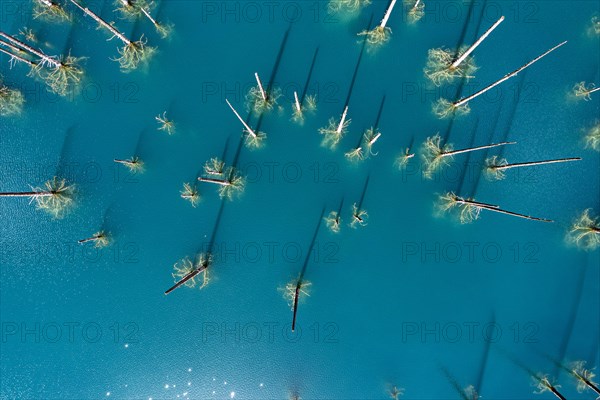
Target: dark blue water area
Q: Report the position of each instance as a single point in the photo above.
(397, 302)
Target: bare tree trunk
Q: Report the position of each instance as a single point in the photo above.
(90, 239)
(16, 57)
(477, 43)
(586, 381)
(372, 141)
(147, 14)
(529, 164)
(474, 203)
(297, 102)
(103, 23)
(260, 86)
(501, 211)
(489, 146)
(217, 181)
(27, 194)
(49, 60)
(250, 130)
(506, 77)
(185, 279)
(342, 120)
(556, 393)
(388, 12)
(296, 296)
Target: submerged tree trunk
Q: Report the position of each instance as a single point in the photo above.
(556, 393)
(587, 382)
(497, 209)
(126, 162)
(217, 181)
(342, 120)
(185, 279)
(103, 23)
(147, 14)
(374, 139)
(260, 87)
(250, 130)
(27, 194)
(297, 102)
(44, 57)
(474, 203)
(296, 296)
(16, 57)
(532, 163)
(514, 214)
(506, 77)
(90, 239)
(388, 12)
(477, 43)
(12, 46)
(489, 146)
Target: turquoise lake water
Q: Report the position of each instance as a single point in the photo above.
(412, 299)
